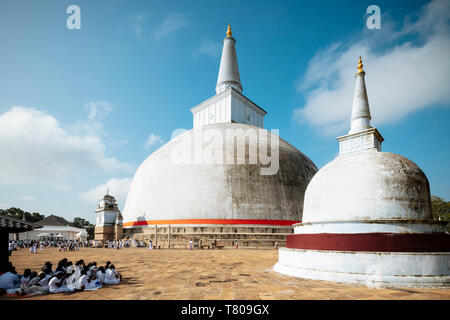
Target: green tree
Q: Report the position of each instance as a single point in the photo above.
(18, 213)
(440, 208)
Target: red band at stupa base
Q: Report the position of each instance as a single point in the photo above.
(211, 221)
(383, 242)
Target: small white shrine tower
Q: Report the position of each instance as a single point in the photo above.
(108, 225)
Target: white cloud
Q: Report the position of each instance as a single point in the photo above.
(98, 109)
(27, 198)
(136, 21)
(92, 125)
(208, 47)
(118, 188)
(400, 78)
(152, 140)
(35, 148)
(171, 23)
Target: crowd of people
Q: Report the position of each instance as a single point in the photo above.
(75, 245)
(117, 244)
(67, 277)
(128, 243)
(35, 245)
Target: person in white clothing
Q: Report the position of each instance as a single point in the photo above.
(84, 282)
(9, 280)
(56, 284)
(33, 285)
(100, 274)
(112, 277)
(26, 277)
(72, 279)
(44, 281)
(34, 279)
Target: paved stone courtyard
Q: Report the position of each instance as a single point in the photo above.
(207, 274)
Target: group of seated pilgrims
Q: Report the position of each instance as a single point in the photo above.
(67, 277)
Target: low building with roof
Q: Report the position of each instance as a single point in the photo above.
(53, 228)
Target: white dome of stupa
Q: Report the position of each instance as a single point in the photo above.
(368, 185)
(227, 170)
(165, 188)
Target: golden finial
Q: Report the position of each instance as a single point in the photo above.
(229, 33)
(360, 66)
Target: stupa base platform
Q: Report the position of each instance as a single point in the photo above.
(373, 269)
(203, 236)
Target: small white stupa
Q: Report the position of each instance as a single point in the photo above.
(367, 216)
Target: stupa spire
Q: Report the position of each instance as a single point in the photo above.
(228, 105)
(229, 33)
(362, 136)
(360, 119)
(229, 69)
(360, 66)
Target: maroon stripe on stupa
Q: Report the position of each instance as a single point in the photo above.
(383, 242)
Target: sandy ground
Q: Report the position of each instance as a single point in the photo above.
(206, 274)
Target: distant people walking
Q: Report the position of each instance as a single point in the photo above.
(150, 245)
(237, 244)
(190, 244)
(33, 247)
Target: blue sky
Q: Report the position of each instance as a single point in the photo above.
(81, 109)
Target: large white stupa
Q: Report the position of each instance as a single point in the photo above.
(367, 216)
(225, 180)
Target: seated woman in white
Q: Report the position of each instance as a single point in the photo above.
(56, 284)
(26, 277)
(44, 281)
(101, 275)
(71, 280)
(78, 267)
(85, 282)
(35, 278)
(112, 277)
(34, 286)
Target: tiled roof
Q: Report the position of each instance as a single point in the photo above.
(53, 220)
(12, 225)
